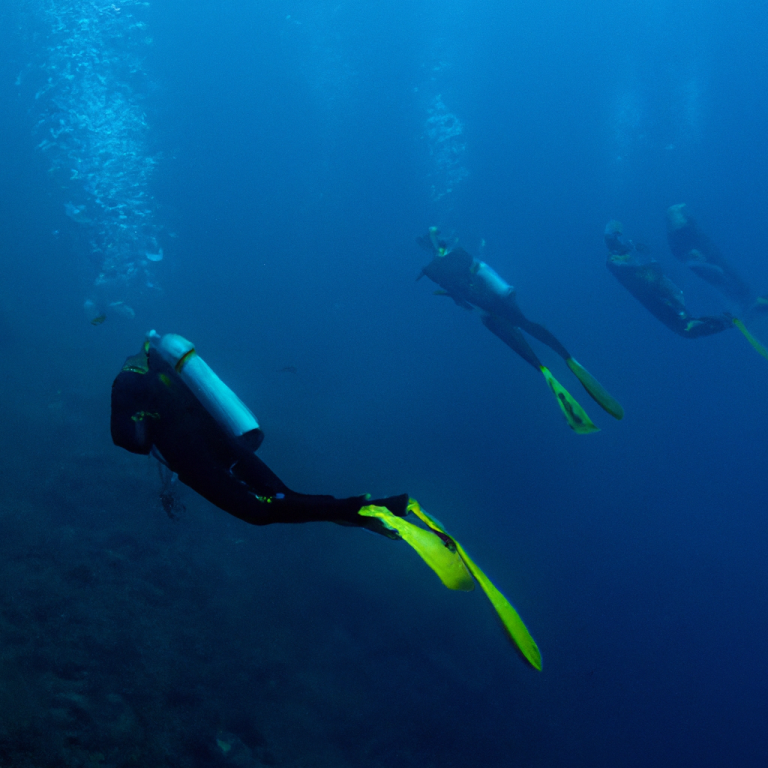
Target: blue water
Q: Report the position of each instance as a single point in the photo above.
(297, 150)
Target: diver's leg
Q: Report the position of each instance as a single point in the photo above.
(511, 313)
(593, 387)
(511, 336)
(759, 308)
(540, 333)
(693, 327)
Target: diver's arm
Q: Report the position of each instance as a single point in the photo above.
(451, 270)
(133, 412)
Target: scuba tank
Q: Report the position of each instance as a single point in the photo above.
(229, 411)
(491, 280)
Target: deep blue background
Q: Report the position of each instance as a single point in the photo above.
(296, 175)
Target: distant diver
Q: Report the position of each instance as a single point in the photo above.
(96, 312)
(644, 278)
(166, 401)
(691, 246)
(472, 283)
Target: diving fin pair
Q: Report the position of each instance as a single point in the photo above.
(595, 389)
(574, 414)
(759, 348)
(456, 570)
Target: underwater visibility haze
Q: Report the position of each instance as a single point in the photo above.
(254, 176)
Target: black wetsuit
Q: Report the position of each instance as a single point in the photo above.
(461, 277)
(646, 281)
(691, 246)
(153, 408)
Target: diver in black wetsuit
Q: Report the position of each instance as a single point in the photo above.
(155, 410)
(646, 281)
(472, 283)
(168, 402)
(691, 246)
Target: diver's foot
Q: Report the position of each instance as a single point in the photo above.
(760, 307)
(375, 525)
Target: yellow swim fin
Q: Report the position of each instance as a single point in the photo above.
(514, 627)
(574, 414)
(759, 348)
(595, 389)
(440, 555)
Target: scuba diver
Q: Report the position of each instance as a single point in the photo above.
(691, 246)
(646, 281)
(167, 401)
(644, 278)
(472, 283)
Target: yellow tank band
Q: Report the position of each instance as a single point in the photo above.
(184, 359)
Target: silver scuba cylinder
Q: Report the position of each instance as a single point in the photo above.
(215, 396)
(491, 280)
